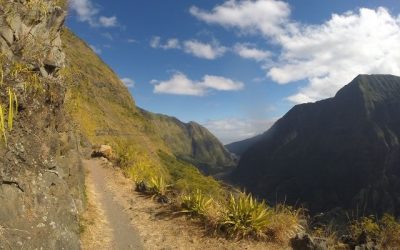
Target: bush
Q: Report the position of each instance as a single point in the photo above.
(244, 215)
(196, 204)
(385, 232)
(285, 223)
(158, 187)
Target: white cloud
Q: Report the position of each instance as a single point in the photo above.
(130, 83)
(180, 84)
(204, 50)
(172, 43)
(250, 52)
(84, 9)
(235, 129)
(208, 51)
(155, 42)
(266, 16)
(327, 56)
(108, 21)
(95, 49)
(87, 12)
(330, 55)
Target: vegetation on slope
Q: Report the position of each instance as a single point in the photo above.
(191, 142)
(105, 113)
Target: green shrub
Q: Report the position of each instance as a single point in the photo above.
(196, 204)
(244, 215)
(390, 232)
(385, 231)
(158, 186)
(368, 225)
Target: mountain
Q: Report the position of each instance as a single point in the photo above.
(105, 111)
(239, 147)
(191, 142)
(339, 152)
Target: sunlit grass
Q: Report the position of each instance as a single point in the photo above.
(244, 215)
(196, 204)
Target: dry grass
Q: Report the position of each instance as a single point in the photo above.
(385, 231)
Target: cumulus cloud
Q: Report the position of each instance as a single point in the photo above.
(250, 52)
(196, 48)
(235, 129)
(265, 16)
(172, 43)
(180, 84)
(130, 83)
(208, 51)
(328, 55)
(86, 11)
(331, 54)
(95, 49)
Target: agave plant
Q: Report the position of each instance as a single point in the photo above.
(196, 203)
(158, 186)
(244, 215)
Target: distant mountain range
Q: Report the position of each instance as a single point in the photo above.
(339, 152)
(191, 142)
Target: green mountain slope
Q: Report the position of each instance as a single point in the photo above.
(191, 142)
(105, 113)
(340, 152)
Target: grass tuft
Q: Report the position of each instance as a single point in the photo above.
(3, 125)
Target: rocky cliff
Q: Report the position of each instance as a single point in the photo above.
(340, 152)
(41, 180)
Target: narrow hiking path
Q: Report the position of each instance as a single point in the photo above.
(119, 218)
(120, 232)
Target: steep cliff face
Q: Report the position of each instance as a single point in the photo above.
(340, 152)
(191, 142)
(41, 181)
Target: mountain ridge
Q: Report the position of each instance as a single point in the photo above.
(317, 145)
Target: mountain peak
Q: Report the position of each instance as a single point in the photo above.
(374, 87)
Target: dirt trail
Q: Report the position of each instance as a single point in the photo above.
(119, 218)
(120, 232)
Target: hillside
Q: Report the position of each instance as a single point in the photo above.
(340, 152)
(239, 147)
(191, 142)
(105, 113)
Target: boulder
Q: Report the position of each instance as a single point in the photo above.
(303, 241)
(103, 151)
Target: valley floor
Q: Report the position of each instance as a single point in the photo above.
(119, 218)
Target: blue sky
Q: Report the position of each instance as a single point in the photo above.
(237, 66)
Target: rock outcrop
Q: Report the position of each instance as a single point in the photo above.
(41, 179)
